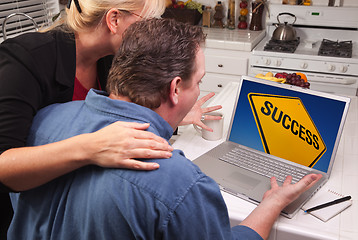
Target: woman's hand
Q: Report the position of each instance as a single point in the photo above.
(194, 116)
(118, 144)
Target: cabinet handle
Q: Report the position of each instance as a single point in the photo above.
(220, 85)
(220, 65)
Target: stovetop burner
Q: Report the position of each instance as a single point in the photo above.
(282, 46)
(335, 48)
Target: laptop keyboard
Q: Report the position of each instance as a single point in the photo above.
(263, 165)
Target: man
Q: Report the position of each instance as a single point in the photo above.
(155, 78)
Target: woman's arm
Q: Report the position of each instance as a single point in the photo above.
(113, 146)
(27, 67)
(24, 90)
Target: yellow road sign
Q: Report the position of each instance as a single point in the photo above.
(286, 128)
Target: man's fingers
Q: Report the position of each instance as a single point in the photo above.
(309, 180)
(203, 126)
(287, 181)
(273, 182)
(212, 117)
(211, 109)
(202, 100)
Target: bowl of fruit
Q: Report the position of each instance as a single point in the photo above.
(186, 12)
(296, 78)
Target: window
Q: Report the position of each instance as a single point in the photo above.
(41, 11)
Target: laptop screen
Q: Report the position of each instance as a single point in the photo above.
(295, 124)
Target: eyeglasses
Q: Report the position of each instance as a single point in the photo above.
(76, 4)
(130, 12)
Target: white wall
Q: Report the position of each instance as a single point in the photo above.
(350, 3)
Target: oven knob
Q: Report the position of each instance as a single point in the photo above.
(343, 69)
(331, 67)
(304, 65)
(278, 63)
(267, 61)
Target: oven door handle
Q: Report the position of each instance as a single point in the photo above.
(343, 81)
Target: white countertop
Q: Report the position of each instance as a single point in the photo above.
(235, 39)
(344, 179)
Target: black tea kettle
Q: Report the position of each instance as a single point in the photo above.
(284, 32)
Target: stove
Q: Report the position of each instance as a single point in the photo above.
(326, 49)
(280, 46)
(335, 48)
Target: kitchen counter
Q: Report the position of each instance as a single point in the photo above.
(344, 178)
(236, 39)
(227, 55)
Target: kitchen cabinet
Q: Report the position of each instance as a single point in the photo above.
(227, 56)
(222, 67)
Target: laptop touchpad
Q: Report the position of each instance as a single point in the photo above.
(242, 180)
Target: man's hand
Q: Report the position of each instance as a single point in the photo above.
(287, 193)
(194, 116)
(275, 200)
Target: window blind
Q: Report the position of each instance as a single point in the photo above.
(40, 10)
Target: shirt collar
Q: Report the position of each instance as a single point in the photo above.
(100, 101)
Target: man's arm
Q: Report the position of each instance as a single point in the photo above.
(202, 214)
(275, 200)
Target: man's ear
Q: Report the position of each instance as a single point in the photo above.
(112, 20)
(175, 88)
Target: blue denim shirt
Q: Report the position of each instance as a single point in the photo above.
(177, 201)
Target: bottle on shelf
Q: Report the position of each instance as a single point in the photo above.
(257, 7)
(231, 15)
(218, 15)
(207, 17)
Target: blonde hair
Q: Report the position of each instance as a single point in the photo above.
(93, 12)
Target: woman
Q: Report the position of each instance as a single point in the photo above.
(60, 65)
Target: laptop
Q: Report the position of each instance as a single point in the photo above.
(276, 130)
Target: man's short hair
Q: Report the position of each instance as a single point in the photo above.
(153, 52)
